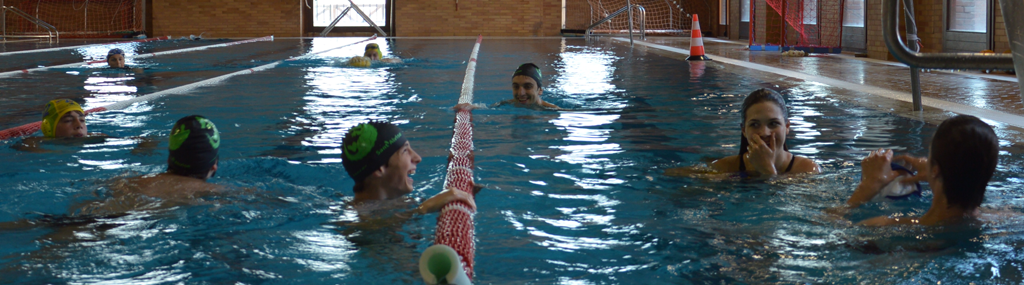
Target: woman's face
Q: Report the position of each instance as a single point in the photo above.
(765, 119)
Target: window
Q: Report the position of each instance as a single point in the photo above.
(325, 11)
(853, 15)
(745, 10)
(968, 15)
(810, 12)
(723, 12)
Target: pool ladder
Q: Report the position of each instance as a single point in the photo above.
(628, 8)
(52, 34)
(358, 11)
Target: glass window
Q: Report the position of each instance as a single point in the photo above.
(723, 12)
(853, 14)
(745, 10)
(968, 15)
(325, 11)
(810, 12)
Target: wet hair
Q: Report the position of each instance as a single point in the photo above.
(966, 151)
(758, 96)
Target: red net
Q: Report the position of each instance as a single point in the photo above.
(455, 226)
(669, 17)
(801, 23)
(78, 18)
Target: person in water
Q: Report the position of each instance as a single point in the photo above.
(380, 160)
(763, 132)
(115, 58)
(370, 54)
(64, 118)
(64, 121)
(962, 158)
(527, 88)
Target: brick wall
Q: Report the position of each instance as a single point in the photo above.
(928, 16)
(226, 18)
(475, 17)
(1001, 41)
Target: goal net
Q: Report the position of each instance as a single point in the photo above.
(801, 24)
(77, 18)
(664, 17)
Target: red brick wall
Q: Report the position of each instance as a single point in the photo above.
(1001, 39)
(226, 18)
(416, 18)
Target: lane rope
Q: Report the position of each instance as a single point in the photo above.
(82, 46)
(450, 259)
(30, 128)
(139, 56)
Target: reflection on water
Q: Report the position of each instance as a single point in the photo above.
(572, 197)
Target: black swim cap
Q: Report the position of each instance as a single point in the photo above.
(368, 146)
(529, 69)
(193, 144)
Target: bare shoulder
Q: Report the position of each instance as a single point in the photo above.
(805, 165)
(551, 106)
(727, 164)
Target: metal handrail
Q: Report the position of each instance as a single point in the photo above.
(643, 20)
(947, 60)
(50, 29)
(934, 60)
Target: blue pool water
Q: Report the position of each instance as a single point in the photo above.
(572, 197)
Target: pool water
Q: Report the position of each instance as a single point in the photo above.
(572, 197)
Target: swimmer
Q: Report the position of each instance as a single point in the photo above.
(380, 159)
(64, 121)
(963, 156)
(115, 58)
(526, 88)
(763, 132)
(371, 54)
(64, 118)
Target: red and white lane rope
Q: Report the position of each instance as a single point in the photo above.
(454, 245)
(30, 128)
(82, 46)
(145, 55)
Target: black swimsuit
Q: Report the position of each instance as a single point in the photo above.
(743, 166)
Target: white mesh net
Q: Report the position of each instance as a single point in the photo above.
(669, 17)
(77, 18)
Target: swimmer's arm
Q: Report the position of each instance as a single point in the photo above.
(726, 164)
(499, 104)
(875, 174)
(805, 165)
(434, 204)
(30, 145)
(146, 146)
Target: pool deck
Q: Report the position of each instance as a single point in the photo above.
(993, 96)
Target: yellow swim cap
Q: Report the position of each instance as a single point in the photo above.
(359, 61)
(373, 48)
(54, 111)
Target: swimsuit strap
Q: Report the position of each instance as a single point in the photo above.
(790, 167)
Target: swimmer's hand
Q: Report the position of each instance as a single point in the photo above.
(876, 172)
(919, 165)
(761, 156)
(437, 202)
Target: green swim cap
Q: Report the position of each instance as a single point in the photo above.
(55, 110)
(367, 146)
(194, 144)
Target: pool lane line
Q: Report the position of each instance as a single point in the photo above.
(140, 56)
(993, 115)
(82, 46)
(454, 247)
(30, 128)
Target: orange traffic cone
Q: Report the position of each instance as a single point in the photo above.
(696, 42)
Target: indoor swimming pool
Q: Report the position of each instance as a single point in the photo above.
(576, 196)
